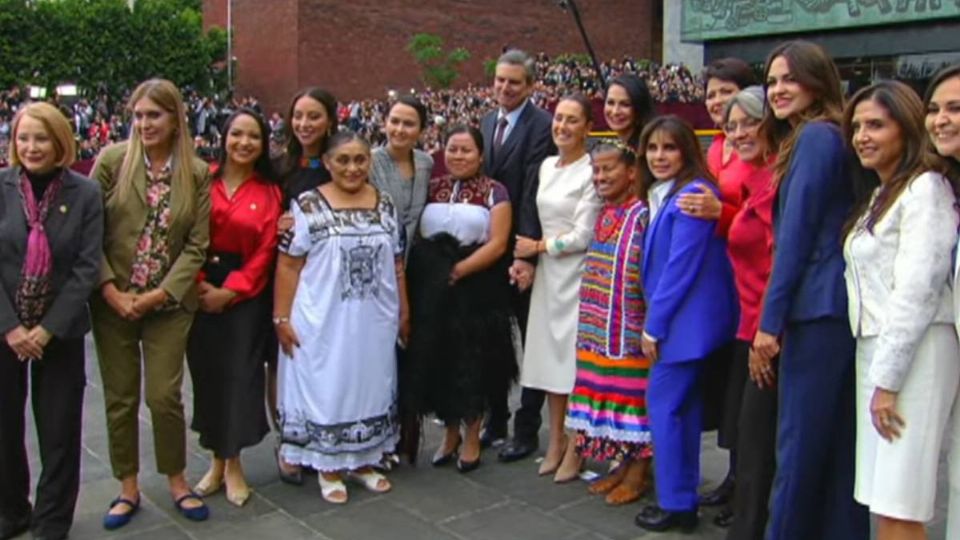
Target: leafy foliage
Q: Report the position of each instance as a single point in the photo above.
(439, 68)
(106, 44)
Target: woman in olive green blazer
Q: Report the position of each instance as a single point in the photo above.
(156, 207)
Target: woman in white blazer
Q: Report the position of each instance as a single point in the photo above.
(898, 247)
(943, 126)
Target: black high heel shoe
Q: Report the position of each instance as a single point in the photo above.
(439, 459)
(466, 466)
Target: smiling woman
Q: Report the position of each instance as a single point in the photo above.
(51, 234)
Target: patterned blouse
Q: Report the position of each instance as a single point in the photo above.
(152, 258)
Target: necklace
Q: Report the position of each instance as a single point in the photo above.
(611, 217)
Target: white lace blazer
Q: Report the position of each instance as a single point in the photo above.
(899, 279)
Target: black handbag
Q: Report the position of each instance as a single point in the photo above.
(219, 264)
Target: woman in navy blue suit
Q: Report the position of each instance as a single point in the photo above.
(805, 307)
(692, 310)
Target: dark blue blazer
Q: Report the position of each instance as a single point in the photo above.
(813, 202)
(691, 302)
(517, 164)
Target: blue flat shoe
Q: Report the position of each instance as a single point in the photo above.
(200, 513)
(115, 521)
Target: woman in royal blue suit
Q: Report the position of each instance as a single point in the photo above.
(806, 302)
(692, 310)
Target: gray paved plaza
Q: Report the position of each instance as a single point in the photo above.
(496, 502)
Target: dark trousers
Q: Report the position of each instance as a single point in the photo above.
(813, 486)
(756, 433)
(526, 424)
(56, 390)
(675, 408)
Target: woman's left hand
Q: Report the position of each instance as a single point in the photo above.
(525, 248)
(404, 334)
(40, 335)
(883, 413)
(703, 205)
(456, 272)
(215, 300)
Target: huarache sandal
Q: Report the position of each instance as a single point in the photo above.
(115, 521)
(197, 513)
(333, 491)
(372, 480)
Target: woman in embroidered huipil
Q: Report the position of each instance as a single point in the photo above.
(461, 354)
(607, 407)
(340, 306)
(227, 341)
(51, 229)
(157, 207)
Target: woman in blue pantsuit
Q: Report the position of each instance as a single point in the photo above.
(692, 310)
(806, 303)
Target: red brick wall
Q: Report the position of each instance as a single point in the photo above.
(214, 13)
(358, 48)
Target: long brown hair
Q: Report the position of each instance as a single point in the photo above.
(166, 95)
(694, 164)
(813, 69)
(942, 76)
(906, 110)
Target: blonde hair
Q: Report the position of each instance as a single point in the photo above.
(56, 126)
(166, 95)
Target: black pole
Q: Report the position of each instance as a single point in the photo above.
(572, 5)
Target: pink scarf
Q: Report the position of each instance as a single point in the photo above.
(34, 294)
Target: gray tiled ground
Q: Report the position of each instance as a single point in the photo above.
(496, 502)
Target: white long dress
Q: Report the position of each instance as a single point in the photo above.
(568, 206)
(338, 392)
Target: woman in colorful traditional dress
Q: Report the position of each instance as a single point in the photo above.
(340, 306)
(607, 407)
(228, 338)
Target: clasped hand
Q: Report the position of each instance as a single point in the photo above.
(214, 299)
(521, 274)
(133, 306)
(28, 344)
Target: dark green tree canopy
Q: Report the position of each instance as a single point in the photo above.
(105, 43)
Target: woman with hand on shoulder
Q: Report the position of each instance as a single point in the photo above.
(628, 107)
(898, 246)
(942, 101)
(340, 306)
(691, 309)
(461, 354)
(157, 207)
(750, 412)
(805, 304)
(567, 204)
(228, 338)
(51, 234)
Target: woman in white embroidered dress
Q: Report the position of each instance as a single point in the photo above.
(897, 249)
(340, 303)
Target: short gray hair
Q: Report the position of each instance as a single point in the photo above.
(750, 99)
(516, 57)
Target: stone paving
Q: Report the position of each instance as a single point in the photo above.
(496, 502)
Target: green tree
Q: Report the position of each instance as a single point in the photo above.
(439, 68)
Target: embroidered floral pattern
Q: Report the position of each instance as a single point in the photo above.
(603, 449)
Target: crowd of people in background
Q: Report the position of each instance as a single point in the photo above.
(101, 119)
(793, 286)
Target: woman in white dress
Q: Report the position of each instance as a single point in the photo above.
(340, 304)
(568, 206)
(898, 249)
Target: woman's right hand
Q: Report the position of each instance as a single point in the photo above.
(287, 337)
(761, 371)
(23, 344)
(284, 222)
(120, 302)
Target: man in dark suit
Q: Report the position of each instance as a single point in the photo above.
(516, 139)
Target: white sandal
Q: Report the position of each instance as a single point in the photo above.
(371, 480)
(329, 488)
